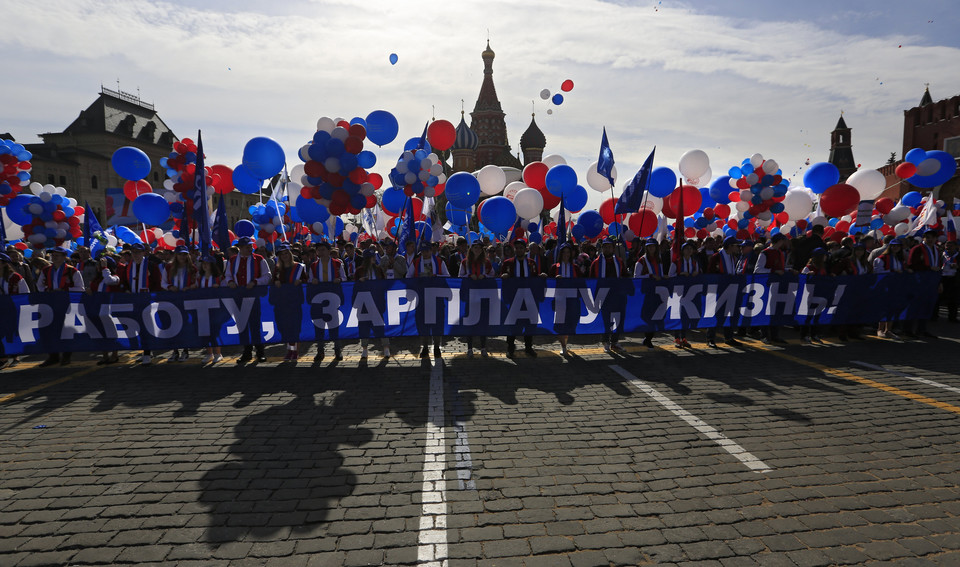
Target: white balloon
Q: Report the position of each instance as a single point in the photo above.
(367, 189)
(168, 184)
(340, 133)
(35, 208)
(756, 160)
(529, 202)
(326, 124)
(742, 206)
(492, 179)
(169, 239)
(766, 193)
(770, 167)
(897, 214)
(305, 153)
(511, 190)
(745, 195)
(296, 172)
(111, 240)
(317, 227)
(694, 163)
(655, 204)
(61, 191)
(36, 188)
(553, 159)
(797, 204)
(928, 166)
(45, 197)
(332, 164)
(869, 182)
(598, 182)
(73, 202)
(819, 221)
(901, 228)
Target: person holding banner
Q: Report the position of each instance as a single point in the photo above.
(816, 267)
(519, 266)
(248, 270)
(924, 257)
(686, 266)
(428, 265)
(178, 275)
(565, 268)
(393, 265)
(327, 269)
(289, 272)
(889, 260)
(208, 278)
(609, 265)
(370, 271)
(11, 283)
(649, 266)
(476, 267)
(106, 280)
(773, 260)
(59, 276)
(140, 276)
(723, 262)
(948, 279)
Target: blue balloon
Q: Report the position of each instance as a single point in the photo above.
(498, 214)
(911, 199)
(244, 228)
(735, 172)
(382, 127)
(16, 210)
(820, 176)
(393, 199)
(662, 182)
(151, 209)
(124, 234)
(311, 211)
(394, 58)
(358, 120)
(558, 100)
(131, 163)
(457, 217)
(915, 156)
(575, 199)
(705, 199)
(536, 237)
(358, 201)
(561, 179)
(579, 232)
(366, 159)
(424, 231)
(876, 223)
(263, 157)
(592, 223)
(462, 190)
(244, 181)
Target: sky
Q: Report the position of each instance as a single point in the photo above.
(732, 78)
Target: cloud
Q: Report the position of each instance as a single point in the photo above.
(676, 78)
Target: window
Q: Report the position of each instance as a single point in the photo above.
(93, 182)
(156, 176)
(952, 146)
(63, 180)
(50, 179)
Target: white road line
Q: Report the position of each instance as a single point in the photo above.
(752, 463)
(432, 539)
(902, 375)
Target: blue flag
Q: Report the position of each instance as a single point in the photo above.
(561, 228)
(3, 235)
(201, 212)
(406, 225)
(633, 193)
(422, 144)
(221, 234)
(605, 163)
(94, 236)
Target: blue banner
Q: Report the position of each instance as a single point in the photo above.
(61, 321)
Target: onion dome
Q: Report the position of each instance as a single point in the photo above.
(466, 139)
(533, 138)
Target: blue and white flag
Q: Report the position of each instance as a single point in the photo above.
(633, 193)
(605, 162)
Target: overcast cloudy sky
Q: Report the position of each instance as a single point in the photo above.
(731, 77)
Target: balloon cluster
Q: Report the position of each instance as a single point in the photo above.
(271, 217)
(762, 188)
(419, 172)
(47, 217)
(335, 170)
(15, 164)
(557, 98)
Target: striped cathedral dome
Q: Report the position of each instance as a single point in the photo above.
(466, 138)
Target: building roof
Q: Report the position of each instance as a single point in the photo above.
(125, 115)
(841, 124)
(926, 99)
(487, 100)
(533, 137)
(466, 139)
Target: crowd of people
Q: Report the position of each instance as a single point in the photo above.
(136, 268)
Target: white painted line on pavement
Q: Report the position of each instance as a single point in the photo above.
(908, 377)
(432, 550)
(752, 463)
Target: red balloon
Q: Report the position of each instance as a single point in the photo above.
(313, 169)
(438, 190)
(839, 200)
(884, 205)
(535, 175)
(376, 180)
(690, 232)
(708, 213)
(550, 201)
(371, 201)
(743, 234)
(702, 233)
(905, 170)
(691, 200)
(358, 175)
(842, 226)
(643, 223)
(226, 178)
(782, 218)
(77, 211)
(353, 145)
(606, 210)
(734, 196)
(566, 86)
(133, 189)
(722, 210)
(417, 207)
(357, 130)
(441, 134)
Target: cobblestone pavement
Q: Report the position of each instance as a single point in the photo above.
(803, 455)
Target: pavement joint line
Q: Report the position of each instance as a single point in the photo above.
(858, 379)
(432, 538)
(926, 381)
(38, 387)
(727, 444)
